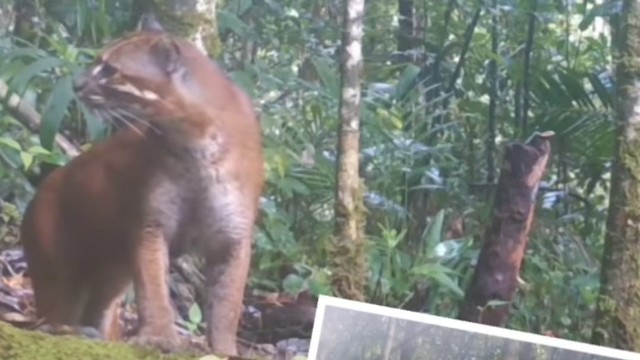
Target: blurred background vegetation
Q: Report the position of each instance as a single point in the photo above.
(447, 84)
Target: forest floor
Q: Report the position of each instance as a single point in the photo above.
(273, 326)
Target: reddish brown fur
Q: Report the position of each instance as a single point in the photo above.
(112, 215)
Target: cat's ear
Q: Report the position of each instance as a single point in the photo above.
(149, 22)
(167, 55)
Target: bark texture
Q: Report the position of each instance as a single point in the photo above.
(405, 25)
(349, 268)
(496, 274)
(618, 313)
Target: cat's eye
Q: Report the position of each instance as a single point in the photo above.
(105, 70)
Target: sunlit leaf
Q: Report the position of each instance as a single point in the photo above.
(195, 314)
(604, 9)
(10, 143)
(433, 233)
(27, 159)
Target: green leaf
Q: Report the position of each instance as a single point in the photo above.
(574, 85)
(241, 6)
(429, 269)
(59, 101)
(328, 76)
(600, 89)
(38, 150)
(298, 187)
(27, 159)
(10, 143)
(20, 82)
(96, 128)
(317, 287)
(406, 81)
(230, 21)
(433, 233)
(244, 80)
(293, 284)
(447, 282)
(21, 52)
(195, 314)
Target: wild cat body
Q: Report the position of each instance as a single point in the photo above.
(185, 175)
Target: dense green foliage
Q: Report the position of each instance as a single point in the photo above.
(284, 53)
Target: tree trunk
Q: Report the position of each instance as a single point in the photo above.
(528, 52)
(195, 20)
(406, 38)
(496, 274)
(493, 96)
(617, 321)
(348, 251)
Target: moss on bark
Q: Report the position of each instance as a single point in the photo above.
(17, 344)
(618, 314)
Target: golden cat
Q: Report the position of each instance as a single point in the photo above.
(185, 174)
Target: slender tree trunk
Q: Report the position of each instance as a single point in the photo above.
(618, 313)
(348, 252)
(528, 50)
(517, 104)
(405, 28)
(493, 96)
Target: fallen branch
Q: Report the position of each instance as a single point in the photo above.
(29, 117)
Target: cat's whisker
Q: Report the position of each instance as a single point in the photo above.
(126, 122)
(137, 118)
(132, 120)
(108, 117)
(99, 113)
